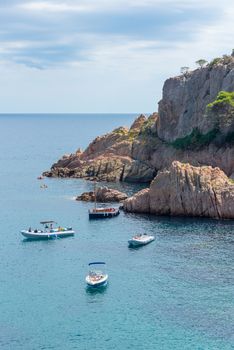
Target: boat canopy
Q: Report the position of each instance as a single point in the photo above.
(97, 263)
(48, 222)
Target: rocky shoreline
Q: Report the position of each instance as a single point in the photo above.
(194, 126)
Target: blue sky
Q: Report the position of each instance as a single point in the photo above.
(103, 55)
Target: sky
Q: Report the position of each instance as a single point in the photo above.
(103, 56)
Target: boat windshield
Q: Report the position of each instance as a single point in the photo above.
(48, 222)
(94, 272)
(138, 236)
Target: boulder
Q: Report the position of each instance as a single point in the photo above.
(103, 195)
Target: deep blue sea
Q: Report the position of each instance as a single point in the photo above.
(176, 293)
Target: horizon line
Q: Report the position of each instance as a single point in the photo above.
(72, 113)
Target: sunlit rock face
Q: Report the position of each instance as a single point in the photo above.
(185, 190)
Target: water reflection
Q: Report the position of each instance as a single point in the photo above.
(91, 291)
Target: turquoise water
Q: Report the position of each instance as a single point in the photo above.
(176, 293)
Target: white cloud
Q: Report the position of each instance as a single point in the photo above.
(112, 5)
(55, 7)
(120, 73)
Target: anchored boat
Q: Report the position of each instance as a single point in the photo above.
(96, 278)
(48, 231)
(140, 240)
(102, 213)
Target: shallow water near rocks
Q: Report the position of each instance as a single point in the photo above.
(176, 293)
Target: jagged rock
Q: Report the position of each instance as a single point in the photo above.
(107, 158)
(138, 123)
(103, 195)
(186, 190)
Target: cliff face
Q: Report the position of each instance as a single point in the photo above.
(188, 191)
(183, 106)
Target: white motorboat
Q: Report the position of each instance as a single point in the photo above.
(96, 278)
(48, 231)
(140, 240)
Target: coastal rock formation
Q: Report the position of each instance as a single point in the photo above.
(186, 190)
(103, 195)
(109, 157)
(195, 125)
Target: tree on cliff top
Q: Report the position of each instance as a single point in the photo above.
(201, 63)
(184, 70)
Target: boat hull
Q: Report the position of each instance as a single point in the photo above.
(96, 284)
(138, 243)
(46, 235)
(103, 215)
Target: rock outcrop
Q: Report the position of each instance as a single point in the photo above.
(185, 190)
(103, 195)
(185, 98)
(109, 157)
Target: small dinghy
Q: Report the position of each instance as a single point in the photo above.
(96, 278)
(48, 231)
(140, 240)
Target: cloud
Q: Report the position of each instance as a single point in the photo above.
(113, 5)
(131, 45)
(55, 7)
(60, 32)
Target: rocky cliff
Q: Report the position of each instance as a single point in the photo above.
(195, 124)
(188, 191)
(185, 98)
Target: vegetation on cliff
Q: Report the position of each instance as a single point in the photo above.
(223, 98)
(195, 140)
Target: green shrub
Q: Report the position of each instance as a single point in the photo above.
(195, 140)
(120, 131)
(132, 134)
(147, 127)
(215, 61)
(223, 98)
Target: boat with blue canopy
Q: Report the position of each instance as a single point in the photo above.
(96, 277)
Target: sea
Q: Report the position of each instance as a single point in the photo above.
(175, 293)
